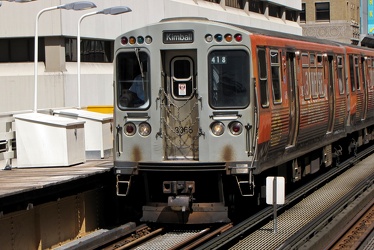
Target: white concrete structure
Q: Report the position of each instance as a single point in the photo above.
(57, 67)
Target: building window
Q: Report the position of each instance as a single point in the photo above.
(275, 11)
(20, 50)
(323, 11)
(291, 15)
(239, 4)
(302, 13)
(91, 50)
(256, 6)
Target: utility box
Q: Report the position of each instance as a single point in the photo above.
(98, 129)
(48, 141)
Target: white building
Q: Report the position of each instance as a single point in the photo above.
(57, 31)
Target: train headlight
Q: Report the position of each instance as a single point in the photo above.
(144, 129)
(129, 129)
(236, 128)
(217, 128)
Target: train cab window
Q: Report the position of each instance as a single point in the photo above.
(182, 78)
(228, 78)
(133, 84)
(262, 68)
(340, 74)
(275, 76)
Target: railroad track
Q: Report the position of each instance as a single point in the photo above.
(356, 233)
(129, 236)
(255, 232)
(228, 236)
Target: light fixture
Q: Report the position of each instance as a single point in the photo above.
(82, 5)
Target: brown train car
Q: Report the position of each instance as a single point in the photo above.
(360, 73)
(310, 94)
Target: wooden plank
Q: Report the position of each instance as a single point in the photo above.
(20, 180)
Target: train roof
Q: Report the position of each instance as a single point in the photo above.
(270, 33)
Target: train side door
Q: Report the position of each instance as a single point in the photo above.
(179, 105)
(331, 92)
(293, 98)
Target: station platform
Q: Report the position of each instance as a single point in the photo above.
(43, 207)
(21, 185)
(18, 180)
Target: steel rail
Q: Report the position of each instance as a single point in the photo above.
(266, 214)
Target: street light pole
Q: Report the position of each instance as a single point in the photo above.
(82, 5)
(108, 11)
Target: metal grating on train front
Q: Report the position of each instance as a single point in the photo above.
(168, 240)
(308, 209)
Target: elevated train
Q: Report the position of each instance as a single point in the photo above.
(205, 110)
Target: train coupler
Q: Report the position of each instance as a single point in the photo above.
(180, 203)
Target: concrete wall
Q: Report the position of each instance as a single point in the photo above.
(57, 79)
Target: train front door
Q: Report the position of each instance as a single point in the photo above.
(292, 96)
(179, 105)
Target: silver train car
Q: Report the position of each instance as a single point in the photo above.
(202, 107)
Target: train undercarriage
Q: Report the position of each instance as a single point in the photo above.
(206, 194)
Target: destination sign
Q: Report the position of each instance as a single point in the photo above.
(170, 37)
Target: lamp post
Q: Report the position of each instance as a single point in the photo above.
(82, 5)
(109, 11)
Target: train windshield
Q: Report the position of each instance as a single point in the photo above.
(132, 79)
(228, 79)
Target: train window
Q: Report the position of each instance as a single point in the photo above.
(363, 71)
(133, 84)
(275, 76)
(312, 59)
(321, 90)
(306, 75)
(340, 74)
(352, 73)
(313, 76)
(371, 70)
(263, 78)
(357, 76)
(228, 78)
(182, 77)
(305, 59)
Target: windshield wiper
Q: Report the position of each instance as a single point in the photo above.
(140, 63)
